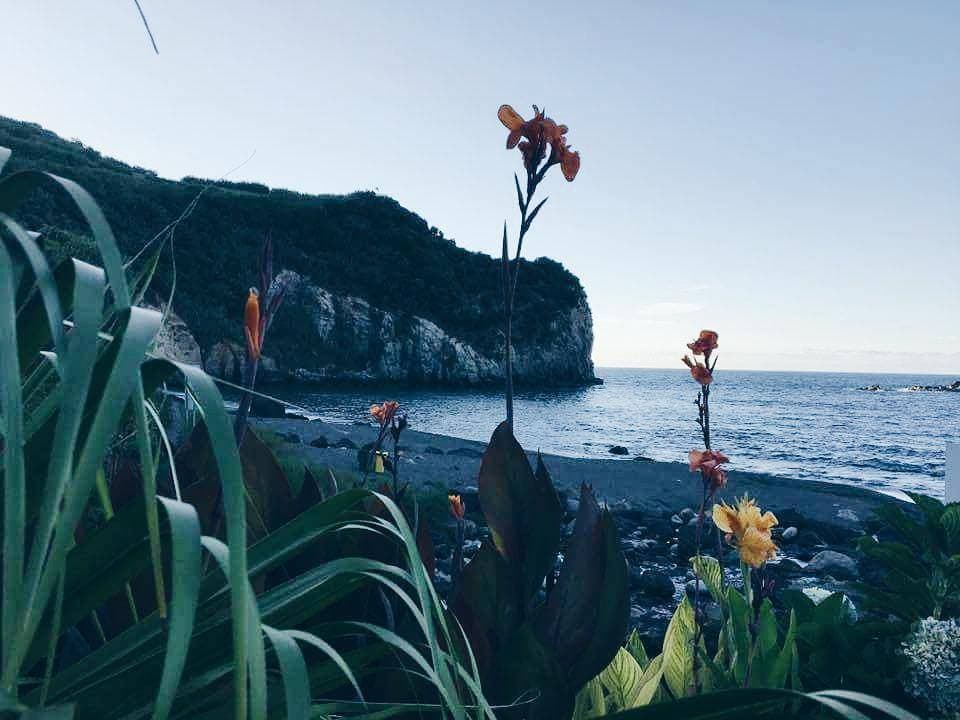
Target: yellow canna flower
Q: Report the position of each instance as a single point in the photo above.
(737, 520)
(747, 528)
(756, 547)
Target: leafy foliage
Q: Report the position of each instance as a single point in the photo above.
(922, 565)
(222, 630)
(525, 639)
(341, 242)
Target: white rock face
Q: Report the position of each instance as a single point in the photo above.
(345, 338)
(175, 340)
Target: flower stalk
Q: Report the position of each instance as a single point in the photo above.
(542, 144)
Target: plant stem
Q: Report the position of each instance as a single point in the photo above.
(511, 273)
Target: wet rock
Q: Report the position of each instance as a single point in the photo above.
(691, 588)
(262, 407)
(674, 549)
(470, 529)
(687, 514)
(643, 458)
(648, 544)
(467, 452)
(833, 563)
(430, 450)
(345, 443)
(651, 583)
(619, 450)
(320, 442)
(676, 519)
(292, 438)
(573, 505)
(789, 534)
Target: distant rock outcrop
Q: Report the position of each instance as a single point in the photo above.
(345, 338)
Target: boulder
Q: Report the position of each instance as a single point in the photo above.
(262, 407)
(835, 564)
(226, 360)
(651, 583)
(175, 341)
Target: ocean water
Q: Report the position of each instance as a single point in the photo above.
(797, 425)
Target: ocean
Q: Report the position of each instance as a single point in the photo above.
(818, 426)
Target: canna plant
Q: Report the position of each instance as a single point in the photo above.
(78, 368)
(542, 144)
(921, 562)
(534, 633)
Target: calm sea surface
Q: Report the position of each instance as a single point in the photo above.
(799, 425)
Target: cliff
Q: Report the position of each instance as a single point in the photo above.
(377, 293)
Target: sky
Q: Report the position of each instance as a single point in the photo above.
(787, 174)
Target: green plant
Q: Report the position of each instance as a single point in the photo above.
(769, 703)
(533, 632)
(836, 651)
(921, 565)
(76, 366)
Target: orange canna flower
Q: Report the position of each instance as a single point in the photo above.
(251, 323)
(457, 508)
(537, 133)
(384, 412)
(698, 371)
(708, 463)
(705, 344)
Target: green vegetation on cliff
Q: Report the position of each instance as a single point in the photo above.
(360, 244)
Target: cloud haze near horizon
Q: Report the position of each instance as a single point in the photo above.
(787, 174)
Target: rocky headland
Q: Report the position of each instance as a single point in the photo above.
(375, 293)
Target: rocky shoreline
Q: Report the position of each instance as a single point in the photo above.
(653, 503)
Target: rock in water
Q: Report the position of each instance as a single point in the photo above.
(262, 407)
(835, 564)
(619, 450)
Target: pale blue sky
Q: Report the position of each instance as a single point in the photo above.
(786, 173)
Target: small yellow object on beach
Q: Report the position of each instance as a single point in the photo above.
(378, 463)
